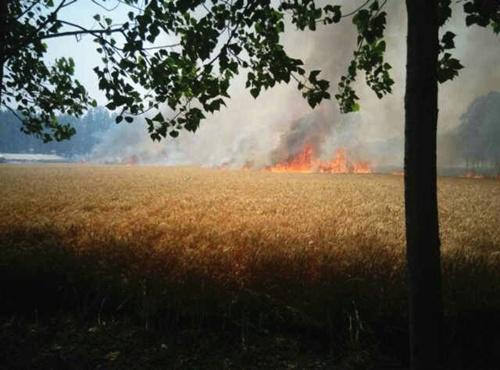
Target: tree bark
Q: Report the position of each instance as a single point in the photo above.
(422, 226)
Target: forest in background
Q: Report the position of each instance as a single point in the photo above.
(475, 142)
(89, 131)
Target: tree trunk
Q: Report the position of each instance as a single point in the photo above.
(422, 227)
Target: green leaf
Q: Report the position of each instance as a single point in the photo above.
(255, 92)
(313, 75)
(448, 40)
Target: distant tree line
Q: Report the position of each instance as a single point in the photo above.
(89, 130)
(479, 132)
(475, 142)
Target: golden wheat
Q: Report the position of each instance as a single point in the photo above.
(191, 248)
(237, 216)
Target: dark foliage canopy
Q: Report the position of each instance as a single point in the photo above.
(215, 41)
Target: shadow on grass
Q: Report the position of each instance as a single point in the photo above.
(116, 303)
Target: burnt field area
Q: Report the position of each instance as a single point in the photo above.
(156, 267)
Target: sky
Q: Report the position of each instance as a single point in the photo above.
(83, 50)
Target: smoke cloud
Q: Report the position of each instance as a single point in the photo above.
(263, 131)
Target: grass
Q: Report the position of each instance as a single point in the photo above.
(195, 268)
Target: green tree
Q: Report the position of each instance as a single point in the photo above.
(89, 128)
(218, 39)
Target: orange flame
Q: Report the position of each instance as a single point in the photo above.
(473, 175)
(338, 164)
(305, 162)
(362, 167)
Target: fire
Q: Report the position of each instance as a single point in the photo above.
(473, 175)
(362, 167)
(338, 164)
(303, 162)
(306, 162)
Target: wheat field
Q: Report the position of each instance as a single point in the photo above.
(223, 210)
(306, 252)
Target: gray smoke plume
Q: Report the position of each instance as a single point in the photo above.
(275, 126)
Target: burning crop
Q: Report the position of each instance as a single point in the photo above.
(306, 162)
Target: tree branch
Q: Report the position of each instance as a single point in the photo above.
(106, 9)
(82, 32)
(33, 4)
(30, 38)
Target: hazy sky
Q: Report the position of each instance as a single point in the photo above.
(243, 125)
(483, 65)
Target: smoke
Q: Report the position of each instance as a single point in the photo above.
(263, 131)
(127, 144)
